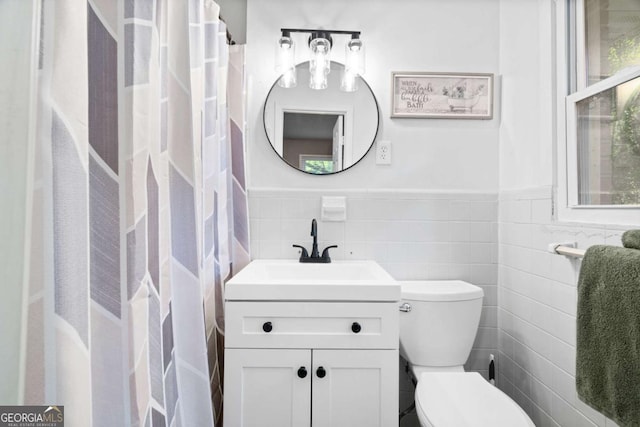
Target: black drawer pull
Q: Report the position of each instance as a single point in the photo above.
(267, 327)
(321, 373)
(355, 327)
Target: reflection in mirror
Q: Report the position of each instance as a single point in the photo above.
(307, 142)
(321, 131)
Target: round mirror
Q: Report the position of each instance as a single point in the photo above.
(321, 131)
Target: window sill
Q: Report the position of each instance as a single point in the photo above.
(611, 215)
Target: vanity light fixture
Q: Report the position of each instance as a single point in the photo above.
(320, 44)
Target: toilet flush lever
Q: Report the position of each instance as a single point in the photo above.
(405, 307)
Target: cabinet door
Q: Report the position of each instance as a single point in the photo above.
(355, 388)
(267, 388)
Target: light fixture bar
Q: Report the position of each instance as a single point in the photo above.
(300, 30)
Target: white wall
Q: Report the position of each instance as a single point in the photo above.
(537, 305)
(526, 66)
(400, 35)
(234, 13)
(537, 300)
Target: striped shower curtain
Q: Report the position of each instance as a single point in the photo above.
(139, 211)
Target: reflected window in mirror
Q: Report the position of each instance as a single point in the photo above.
(316, 164)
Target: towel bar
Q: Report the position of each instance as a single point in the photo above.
(569, 251)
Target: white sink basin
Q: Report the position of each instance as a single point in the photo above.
(280, 280)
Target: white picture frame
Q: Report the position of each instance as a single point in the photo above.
(441, 95)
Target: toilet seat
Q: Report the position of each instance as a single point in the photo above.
(465, 399)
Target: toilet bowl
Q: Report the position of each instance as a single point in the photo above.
(465, 399)
(437, 328)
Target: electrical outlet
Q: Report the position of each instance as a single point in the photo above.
(383, 152)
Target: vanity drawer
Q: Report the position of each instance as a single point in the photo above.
(311, 325)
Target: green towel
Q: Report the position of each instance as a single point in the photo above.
(608, 333)
(631, 239)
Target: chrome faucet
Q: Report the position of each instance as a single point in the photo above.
(315, 255)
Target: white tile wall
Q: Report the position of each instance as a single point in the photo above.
(537, 309)
(414, 235)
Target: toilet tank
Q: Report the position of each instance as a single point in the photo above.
(440, 328)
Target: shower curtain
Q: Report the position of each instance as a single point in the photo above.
(139, 211)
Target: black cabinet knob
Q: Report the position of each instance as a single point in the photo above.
(355, 327)
(267, 327)
(321, 373)
(302, 372)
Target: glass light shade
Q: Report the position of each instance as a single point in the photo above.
(348, 81)
(285, 62)
(354, 56)
(318, 79)
(320, 63)
(288, 79)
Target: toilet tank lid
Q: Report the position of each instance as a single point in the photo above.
(439, 290)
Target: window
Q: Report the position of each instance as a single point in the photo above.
(603, 111)
(316, 164)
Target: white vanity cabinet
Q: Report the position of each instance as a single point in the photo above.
(323, 364)
(311, 345)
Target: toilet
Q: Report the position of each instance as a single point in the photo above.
(438, 325)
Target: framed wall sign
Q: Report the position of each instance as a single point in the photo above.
(442, 95)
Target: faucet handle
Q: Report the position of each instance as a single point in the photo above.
(304, 254)
(325, 253)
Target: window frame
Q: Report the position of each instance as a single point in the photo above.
(571, 86)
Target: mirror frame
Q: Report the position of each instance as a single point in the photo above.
(264, 125)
